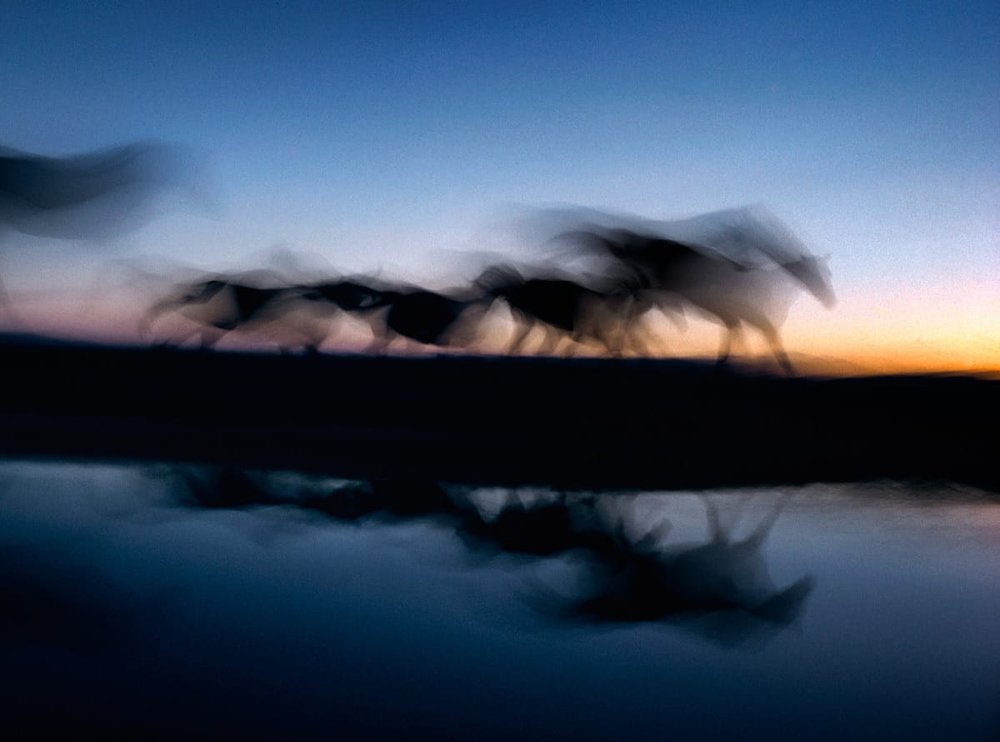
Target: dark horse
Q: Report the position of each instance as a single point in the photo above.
(426, 316)
(563, 308)
(393, 310)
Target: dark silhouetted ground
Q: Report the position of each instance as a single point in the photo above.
(567, 423)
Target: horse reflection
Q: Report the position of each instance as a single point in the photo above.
(720, 587)
(722, 577)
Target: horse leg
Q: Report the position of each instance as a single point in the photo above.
(178, 338)
(613, 342)
(520, 335)
(730, 331)
(382, 337)
(209, 336)
(334, 327)
(306, 337)
(309, 331)
(760, 533)
(770, 333)
(642, 339)
(463, 332)
(625, 318)
(548, 347)
(611, 329)
(715, 530)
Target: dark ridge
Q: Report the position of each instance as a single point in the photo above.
(564, 423)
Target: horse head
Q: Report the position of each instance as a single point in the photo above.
(814, 275)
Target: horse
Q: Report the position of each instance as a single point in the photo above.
(219, 305)
(732, 292)
(425, 316)
(358, 297)
(562, 307)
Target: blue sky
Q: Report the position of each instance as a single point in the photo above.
(379, 133)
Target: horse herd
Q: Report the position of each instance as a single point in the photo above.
(638, 272)
(737, 268)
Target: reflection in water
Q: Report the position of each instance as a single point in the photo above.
(723, 580)
(157, 600)
(625, 577)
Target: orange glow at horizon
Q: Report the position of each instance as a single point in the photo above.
(856, 338)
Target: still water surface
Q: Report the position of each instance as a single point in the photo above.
(863, 611)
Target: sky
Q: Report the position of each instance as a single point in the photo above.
(386, 135)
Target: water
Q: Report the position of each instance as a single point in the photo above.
(131, 607)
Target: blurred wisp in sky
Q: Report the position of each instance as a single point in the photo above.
(91, 196)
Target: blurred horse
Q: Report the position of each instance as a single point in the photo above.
(217, 306)
(731, 292)
(426, 316)
(356, 297)
(561, 307)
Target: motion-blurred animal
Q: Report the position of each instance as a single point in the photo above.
(562, 307)
(426, 317)
(676, 275)
(217, 306)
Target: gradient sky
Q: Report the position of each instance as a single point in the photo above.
(382, 133)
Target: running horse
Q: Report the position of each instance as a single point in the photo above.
(746, 271)
(562, 307)
(217, 305)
